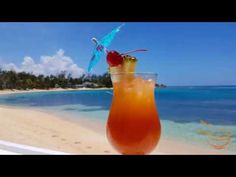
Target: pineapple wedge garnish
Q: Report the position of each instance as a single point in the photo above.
(128, 66)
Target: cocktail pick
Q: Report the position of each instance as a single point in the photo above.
(139, 50)
(101, 47)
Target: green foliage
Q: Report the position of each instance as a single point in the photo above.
(23, 80)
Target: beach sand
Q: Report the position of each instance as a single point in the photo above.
(43, 130)
(40, 129)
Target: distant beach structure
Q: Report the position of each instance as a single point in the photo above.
(160, 85)
(86, 85)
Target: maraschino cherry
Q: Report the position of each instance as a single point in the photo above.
(114, 58)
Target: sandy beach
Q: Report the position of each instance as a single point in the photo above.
(40, 129)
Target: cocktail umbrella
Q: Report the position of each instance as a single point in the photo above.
(101, 47)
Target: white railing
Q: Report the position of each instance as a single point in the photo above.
(9, 148)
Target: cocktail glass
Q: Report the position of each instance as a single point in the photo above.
(133, 125)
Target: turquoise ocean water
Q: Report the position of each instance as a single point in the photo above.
(180, 108)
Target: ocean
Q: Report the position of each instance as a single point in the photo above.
(186, 113)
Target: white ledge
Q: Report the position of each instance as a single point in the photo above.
(9, 148)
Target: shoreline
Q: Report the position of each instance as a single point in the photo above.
(14, 91)
(45, 130)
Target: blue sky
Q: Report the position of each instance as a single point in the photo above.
(181, 53)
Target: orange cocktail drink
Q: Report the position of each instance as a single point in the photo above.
(133, 125)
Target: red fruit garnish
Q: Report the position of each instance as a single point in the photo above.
(114, 58)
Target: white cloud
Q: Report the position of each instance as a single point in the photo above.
(48, 65)
(10, 66)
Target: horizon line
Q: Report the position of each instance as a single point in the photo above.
(214, 85)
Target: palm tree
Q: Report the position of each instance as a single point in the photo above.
(11, 79)
(23, 80)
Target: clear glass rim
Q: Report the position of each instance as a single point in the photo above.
(136, 73)
(145, 75)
